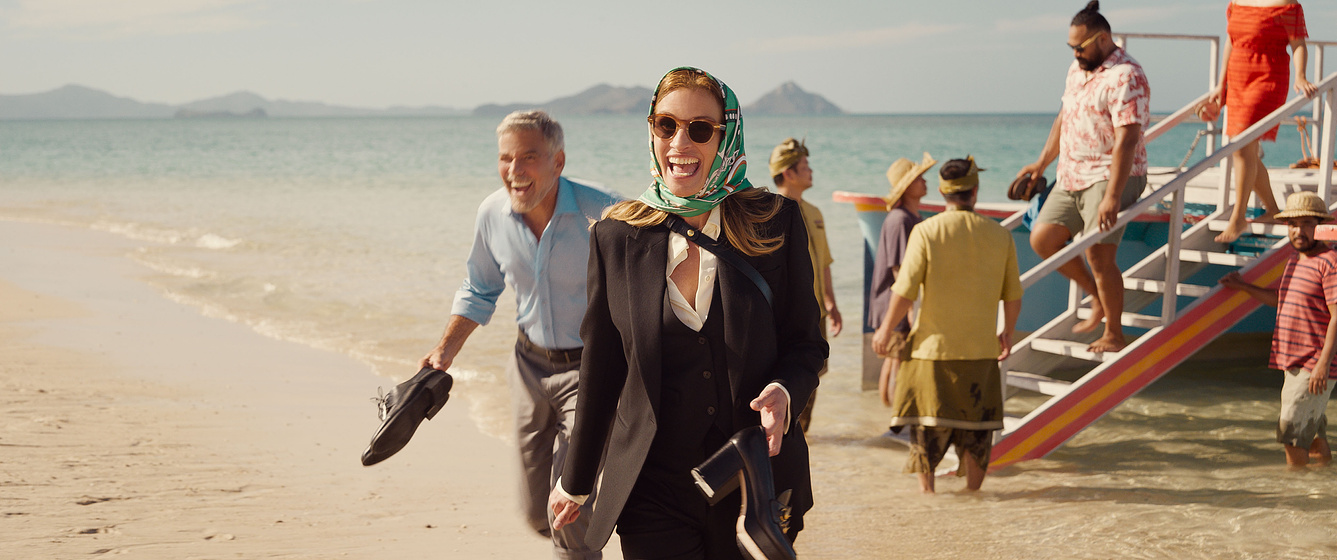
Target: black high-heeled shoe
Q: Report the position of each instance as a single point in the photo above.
(743, 463)
(406, 406)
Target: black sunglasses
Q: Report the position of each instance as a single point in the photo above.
(699, 130)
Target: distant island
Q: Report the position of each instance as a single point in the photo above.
(789, 99)
(80, 102)
(256, 113)
(603, 99)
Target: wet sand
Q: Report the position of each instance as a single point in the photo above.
(130, 424)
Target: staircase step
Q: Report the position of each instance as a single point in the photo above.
(1010, 422)
(1127, 319)
(1070, 348)
(1037, 383)
(1209, 257)
(1255, 228)
(1157, 286)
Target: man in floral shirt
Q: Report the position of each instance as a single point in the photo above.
(1102, 167)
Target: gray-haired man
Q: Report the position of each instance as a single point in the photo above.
(533, 234)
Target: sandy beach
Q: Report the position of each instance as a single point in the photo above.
(130, 424)
(134, 425)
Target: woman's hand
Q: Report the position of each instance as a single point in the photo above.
(773, 404)
(1304, 86)
(1210, 108)
(1217, 96)
(564, 511)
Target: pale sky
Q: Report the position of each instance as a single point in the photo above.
(890, 56)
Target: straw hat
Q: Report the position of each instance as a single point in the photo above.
(903, 172)
(1303, 204)
(787, 155)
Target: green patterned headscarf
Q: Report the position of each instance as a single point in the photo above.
(728, 173)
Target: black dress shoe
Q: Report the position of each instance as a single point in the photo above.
(406, 406)
(744, 463)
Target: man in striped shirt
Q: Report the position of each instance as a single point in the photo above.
(1306, 332)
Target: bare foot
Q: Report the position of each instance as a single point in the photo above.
(1232, 232)
(1107, 343)
(926, 483)
(1319, 452)
(1090, 324)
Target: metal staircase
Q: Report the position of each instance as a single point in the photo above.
(1082, 386)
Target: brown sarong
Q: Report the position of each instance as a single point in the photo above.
(962, 394)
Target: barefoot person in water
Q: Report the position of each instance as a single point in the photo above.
(950, 392)
(1306, 335)
(1102, 166)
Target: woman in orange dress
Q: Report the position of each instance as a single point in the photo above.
(1252, 86)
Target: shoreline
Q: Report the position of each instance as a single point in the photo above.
(133, 424)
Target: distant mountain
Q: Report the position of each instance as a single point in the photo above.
(256, 113)
(79, 102)
(245, 101)
(789, 99)
(602, 99)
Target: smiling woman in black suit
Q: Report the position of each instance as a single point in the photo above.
(682, 349)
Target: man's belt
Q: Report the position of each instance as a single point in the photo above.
(555, 356)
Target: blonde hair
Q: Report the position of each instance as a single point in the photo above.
(684, 78)
(743, 215)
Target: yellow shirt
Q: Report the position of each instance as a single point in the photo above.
(817, 250)
(965, 264)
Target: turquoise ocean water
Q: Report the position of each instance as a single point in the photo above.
(349, 235)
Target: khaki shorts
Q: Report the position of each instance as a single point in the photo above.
(1077, 210)
(1303, 416)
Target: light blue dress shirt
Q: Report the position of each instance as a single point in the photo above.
(548, 274)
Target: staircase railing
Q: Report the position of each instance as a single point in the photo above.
(1326, 91)
(1317, 48)
(1182, 115)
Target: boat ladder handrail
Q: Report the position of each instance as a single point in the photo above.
(1173, 335)
(1176, 186)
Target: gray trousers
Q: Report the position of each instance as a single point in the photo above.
(543, 396)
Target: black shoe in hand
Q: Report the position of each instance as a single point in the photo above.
(406, 406)
(762, 518)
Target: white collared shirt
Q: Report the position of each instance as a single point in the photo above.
(705, 285)
(693, 317)
(1095, 103)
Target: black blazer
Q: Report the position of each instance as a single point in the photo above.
(621, 364)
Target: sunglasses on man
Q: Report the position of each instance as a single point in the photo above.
(1079, 49)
